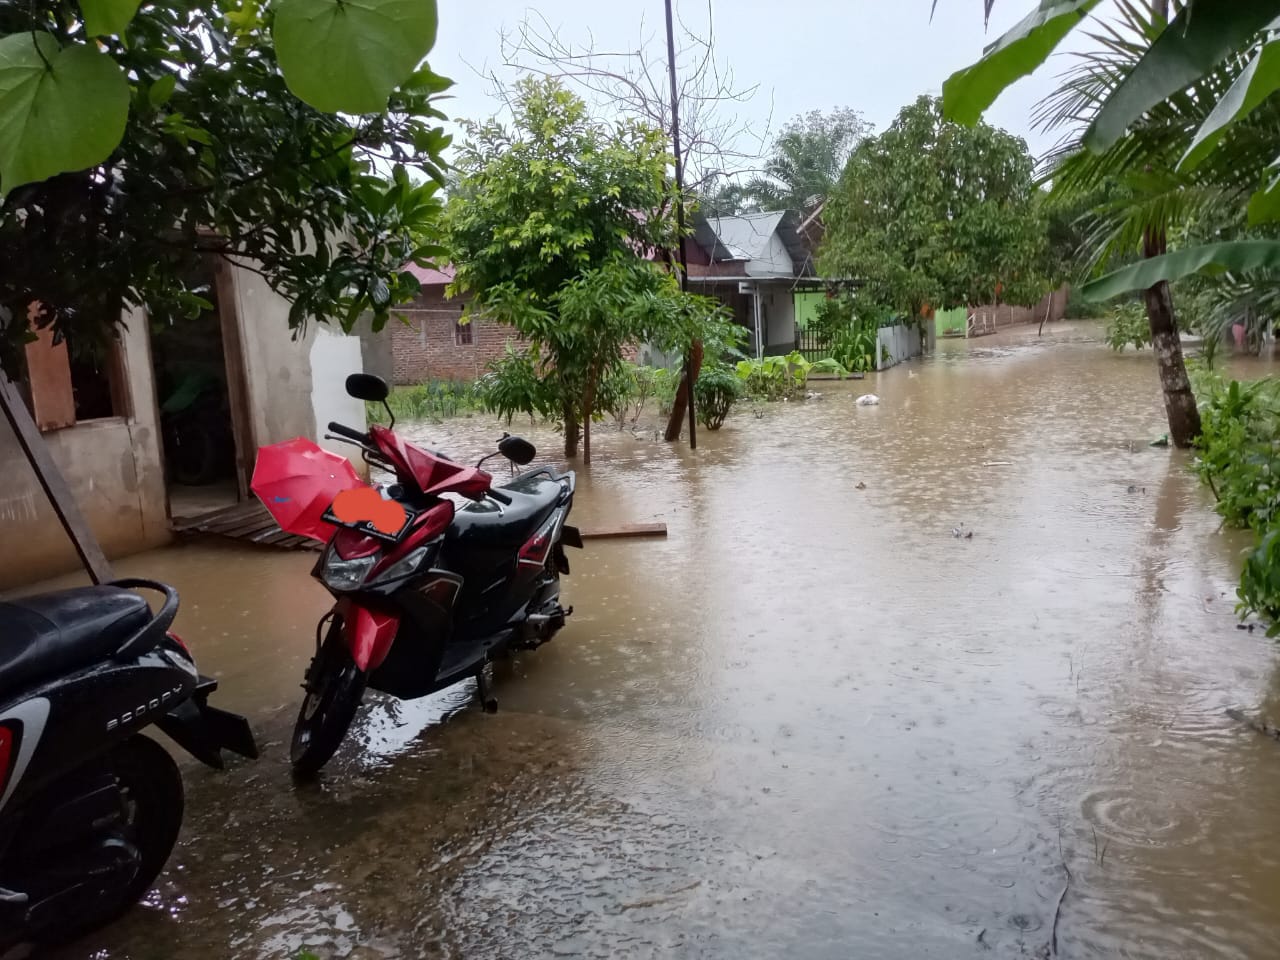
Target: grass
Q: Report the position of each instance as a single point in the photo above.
(429, 400)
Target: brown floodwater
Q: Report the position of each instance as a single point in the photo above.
(812, 722)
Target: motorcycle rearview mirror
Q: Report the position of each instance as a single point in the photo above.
(371, 389)
(517, 449)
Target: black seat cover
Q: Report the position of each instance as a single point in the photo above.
(490, 524)
(52, 633)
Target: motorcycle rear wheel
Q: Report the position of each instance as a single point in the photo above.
(334, 688)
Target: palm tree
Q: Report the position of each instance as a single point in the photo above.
(806, 161)
(1150, 199)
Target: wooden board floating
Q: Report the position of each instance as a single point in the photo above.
(624, 530)
(249, 521)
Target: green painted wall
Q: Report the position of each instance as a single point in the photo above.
(807, 307)
(951, 321)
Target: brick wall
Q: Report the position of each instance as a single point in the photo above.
(428, 348)
(431, 347)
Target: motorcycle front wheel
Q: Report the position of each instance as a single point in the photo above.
(334, 687)
(150, 791)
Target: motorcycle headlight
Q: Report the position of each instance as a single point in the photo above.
(404, 566)
(339, 574)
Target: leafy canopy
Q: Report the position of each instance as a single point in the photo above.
(209, 153)
(1214, 64)
(552, 226)
(932, 212)
(803, 166)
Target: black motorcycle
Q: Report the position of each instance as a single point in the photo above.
(429, 596)
(90, 808)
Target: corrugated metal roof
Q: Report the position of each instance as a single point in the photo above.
(747, 235)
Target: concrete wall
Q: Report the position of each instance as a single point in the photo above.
(333, 358)
(113, 466)
(773, 261)
(990, 317)
(777, 320)
(900, 342)
(288, 396)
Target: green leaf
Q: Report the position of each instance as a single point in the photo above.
(105, 17)
(348, 55)
(1197, 39)
(1264, 205)
(66, 116)
(1258, 81)
(968, 92)
(426, 81)
(1237, 256)
(162, 90)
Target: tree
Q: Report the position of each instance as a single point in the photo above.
(931, 212)
(136, 143)
(804, 164)
(550, 229)
(1201, 39)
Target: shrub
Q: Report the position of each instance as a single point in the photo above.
(513, 385)
(1238, 457)
(1127, 326)
(717, 389)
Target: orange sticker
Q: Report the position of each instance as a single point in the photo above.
(364, 505)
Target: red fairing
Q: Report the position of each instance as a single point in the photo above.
(352, 544)
(432, 474)
(8, 754)
(426, 526)
(368, 633)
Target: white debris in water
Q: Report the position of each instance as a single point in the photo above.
(868, 400)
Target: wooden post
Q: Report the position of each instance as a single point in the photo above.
(53, 482)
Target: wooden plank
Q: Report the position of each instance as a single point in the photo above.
(202, 520)
(625, 530)
(49, 375)
(53, 482)
(233, 357)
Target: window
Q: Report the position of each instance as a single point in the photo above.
(463, 333)
(68, 386)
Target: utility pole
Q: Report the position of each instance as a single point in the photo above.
(692, 359)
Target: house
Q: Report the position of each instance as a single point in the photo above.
(756, 264)
(253, 384)
(433, 343)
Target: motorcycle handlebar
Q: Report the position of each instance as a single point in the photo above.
(350, 434)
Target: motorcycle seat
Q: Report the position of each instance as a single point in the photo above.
(52, 633)
(488, 523)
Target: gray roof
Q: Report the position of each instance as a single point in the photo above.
(746, 237)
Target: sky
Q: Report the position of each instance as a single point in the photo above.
(875, 56)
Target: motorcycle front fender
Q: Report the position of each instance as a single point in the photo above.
(369, 633)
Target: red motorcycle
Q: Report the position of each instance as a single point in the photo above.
(428, 592)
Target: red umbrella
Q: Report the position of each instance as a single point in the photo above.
(297, 481)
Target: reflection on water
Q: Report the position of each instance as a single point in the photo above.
(811, 722)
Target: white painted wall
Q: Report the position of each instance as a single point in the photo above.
(333, 357)
(902, 342)
(289, 396)
(773, 262)
(781, 329)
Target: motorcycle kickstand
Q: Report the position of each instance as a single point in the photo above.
(487, 703)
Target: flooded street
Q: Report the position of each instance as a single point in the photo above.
(812, 722)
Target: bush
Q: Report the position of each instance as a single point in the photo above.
(1127, 326)
(716, 391)
(1238, 457)
(513, 385)
(626, 394)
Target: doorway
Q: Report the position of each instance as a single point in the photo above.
(199, 388)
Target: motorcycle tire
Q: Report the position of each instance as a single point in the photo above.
(334, 687)
(152, 796)
(192, 453)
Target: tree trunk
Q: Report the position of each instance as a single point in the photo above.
(681, 403)
(571, 430)
(1179, 401)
